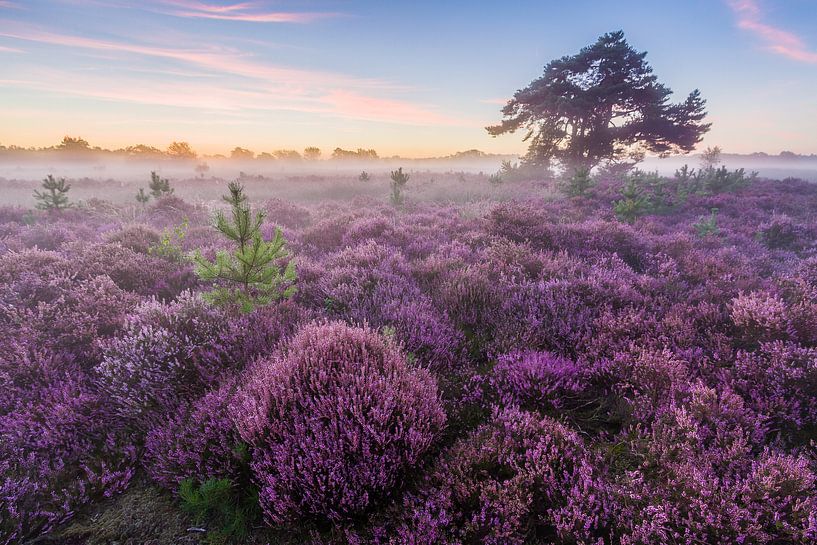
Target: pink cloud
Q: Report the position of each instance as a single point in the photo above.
(778, 40)
(217, 60)
(379, 109)
(241, 83)
(7, 4)
(245, 11)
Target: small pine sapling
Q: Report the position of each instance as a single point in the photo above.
(399, 179)
(495, 179)
(578, 183)
(706, 226)
(142, 197)
(633, 204)
(364, 176)
(250, 275)
(227, 513)
(159, 187)
(54, 196)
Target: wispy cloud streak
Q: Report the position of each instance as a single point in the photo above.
(245, 11)
(750, 18)
(241, 83)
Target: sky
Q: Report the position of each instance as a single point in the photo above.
(416, 78)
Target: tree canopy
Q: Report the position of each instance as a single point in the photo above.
(603, 103)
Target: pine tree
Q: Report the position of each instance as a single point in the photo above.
(633, 205)
(578, 183)
(55, 196)
(398, 182)
(250, 275)
(142, 197)
(159, 187)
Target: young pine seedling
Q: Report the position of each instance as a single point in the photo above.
(250, 275)
(54, 196)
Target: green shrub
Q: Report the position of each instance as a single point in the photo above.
(221, 508)
(170, 244)
(710, 180)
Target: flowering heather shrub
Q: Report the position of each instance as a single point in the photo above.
(170, 210)
(199, 442)
(51, 236)
(521, 222)
(60, 449)
(131, 271)
(517, 478)
(62, 313)
(138, 238)
(781, 233)
(335, 422)
(760, 316)
(13, 214)
(698, 482)
(799, 290)
(327, 234)
(649, 381)
(156, 360)
(538, 380)
(372, 283)
(779, 381)
(286, 214)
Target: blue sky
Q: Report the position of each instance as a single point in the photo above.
(413, 78)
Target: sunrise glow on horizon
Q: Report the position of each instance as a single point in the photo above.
(415, 79)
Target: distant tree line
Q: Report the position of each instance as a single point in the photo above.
(77, 147)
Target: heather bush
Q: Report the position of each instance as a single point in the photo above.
(172, 210)
(131, 271)
(781, 233)
(138, 238)
(779, 381)
(62, 313)
(695, 480)
(199, 442)
(539, 380)
(517, 479)
(372, 283)
(649, 381)
(61, 449)
(760, 316)
(335, 422)
(287, 214)
(155, 362)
